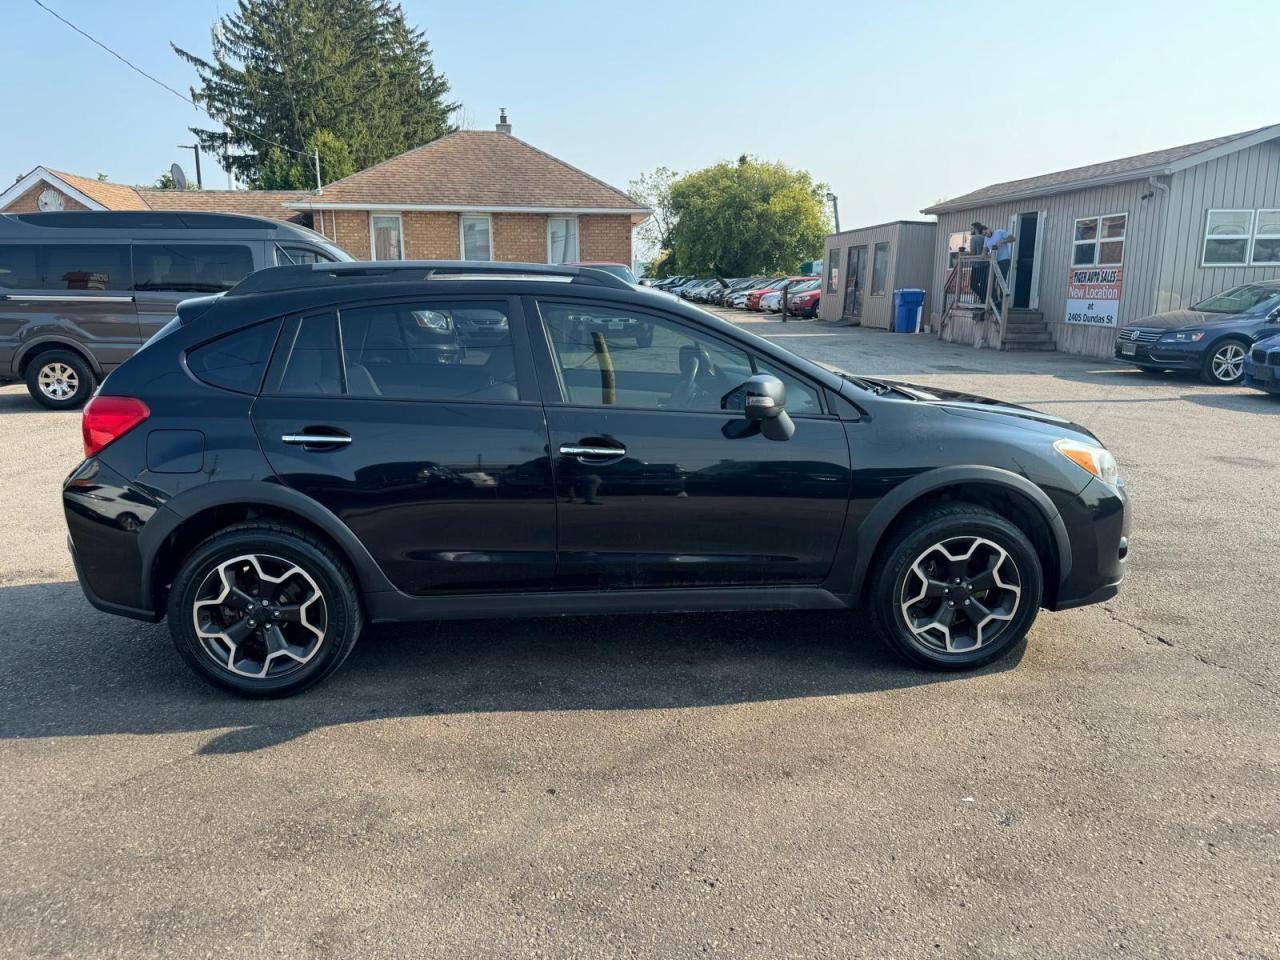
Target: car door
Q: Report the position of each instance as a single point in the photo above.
(166, 272)
(657, 484)
(427, 440)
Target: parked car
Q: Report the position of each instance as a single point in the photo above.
(283, 463)
(1262, 366)
(771, 302)
(720, 296)
(806, 300)
(780, 284)
(80, 292)
(1213, 337)
(619, 270)
(738, 300)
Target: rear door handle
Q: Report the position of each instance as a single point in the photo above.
(583, 450)
(326, 438)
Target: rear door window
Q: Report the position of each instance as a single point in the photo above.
(190, 267)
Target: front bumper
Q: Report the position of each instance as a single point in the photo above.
(1097, 522)
(1262, 376)
(1161, 355)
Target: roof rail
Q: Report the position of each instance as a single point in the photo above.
(275, 279)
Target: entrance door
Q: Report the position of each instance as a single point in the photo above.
(1026, 228)
(658, 485)
(854, 281)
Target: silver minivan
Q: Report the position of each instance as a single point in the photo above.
(81, 292)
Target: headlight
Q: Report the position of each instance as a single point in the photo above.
(1184, 336)
(1097, 460)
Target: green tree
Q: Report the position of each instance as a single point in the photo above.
(166, 182)
(653, 190)
(737, 219)
(349, 77)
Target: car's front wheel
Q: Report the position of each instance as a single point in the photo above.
(264, 610)
(956, 587)
(60, 380)
(1225, 363)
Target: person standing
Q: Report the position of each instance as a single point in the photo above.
(999, 244)
(978, 268)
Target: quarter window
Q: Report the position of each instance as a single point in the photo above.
(1099, 241)
(236, 361)
(614, 357)
(476, 238)
(190, 267)
(879, 269)
(388, 243)
(562, 239)
(71, 266)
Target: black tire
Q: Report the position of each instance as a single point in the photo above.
(894, 579)
(1210, 367)
(62, 370)
(271, 542)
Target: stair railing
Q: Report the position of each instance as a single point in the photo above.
(975, 285)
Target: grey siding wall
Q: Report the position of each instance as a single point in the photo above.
(1143, 234)
(1247, 180)
(910, 266)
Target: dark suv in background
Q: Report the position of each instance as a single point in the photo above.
(330, 445)
(80, 292)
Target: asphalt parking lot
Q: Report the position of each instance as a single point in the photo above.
(732, 786)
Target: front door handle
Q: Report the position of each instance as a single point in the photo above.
(326, 438)
(583, 450)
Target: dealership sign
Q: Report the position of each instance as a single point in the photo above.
(1093, 295)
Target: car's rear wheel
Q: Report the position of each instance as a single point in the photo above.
(956, 587)
(1225, 363)
(264, 610)
(60, 380)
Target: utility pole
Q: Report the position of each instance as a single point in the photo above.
(195, 148)
(835, 208)
(319, 185)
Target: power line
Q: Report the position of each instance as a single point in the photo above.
(181, 96)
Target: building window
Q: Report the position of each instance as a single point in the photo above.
(1226, 237)
(833, 271)
(1099, 241)
(957, 246)
(879, 269)
(1266, 237)
(477, 233)
(385, 231)
(562, 239)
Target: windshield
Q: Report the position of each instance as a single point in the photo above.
(1239, 299)
(617, 269)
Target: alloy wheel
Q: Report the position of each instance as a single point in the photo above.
(1228, 362)
(260, 616)
(58, 381)
(961, 594)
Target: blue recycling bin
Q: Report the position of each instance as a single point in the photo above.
(907, 306)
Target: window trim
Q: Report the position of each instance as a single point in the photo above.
(1256, 236)
(555, 394)
(1098, 240)
(373, 234)
(577, 239)
(462, 236)
(875, 249)
(1247, 237)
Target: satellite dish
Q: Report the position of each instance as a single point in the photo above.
(179, 178)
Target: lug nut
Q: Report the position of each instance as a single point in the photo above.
(253, 623)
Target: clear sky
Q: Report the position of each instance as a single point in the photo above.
(894, 104)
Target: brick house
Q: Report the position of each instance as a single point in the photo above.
(471, 195)
(476, 195)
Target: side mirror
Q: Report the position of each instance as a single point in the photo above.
(762, 400)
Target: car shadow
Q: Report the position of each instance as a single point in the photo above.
(67, 670)
(1251, 401)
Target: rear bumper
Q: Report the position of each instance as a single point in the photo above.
(107, 606)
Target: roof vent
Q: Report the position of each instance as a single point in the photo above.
(502, 126)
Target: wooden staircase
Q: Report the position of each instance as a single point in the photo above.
(1026, 330)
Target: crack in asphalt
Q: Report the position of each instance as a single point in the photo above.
(1198, 657)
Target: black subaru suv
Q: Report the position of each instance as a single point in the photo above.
(329, 445)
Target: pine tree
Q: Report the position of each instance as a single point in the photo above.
(349, 77)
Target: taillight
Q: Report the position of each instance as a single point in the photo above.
(107, 419)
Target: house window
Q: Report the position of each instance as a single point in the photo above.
(1226, 237)
(879, 269)
(562, 239)
(957, 246)
(833, 272)
(1099, 241)
(386, 236)
(477, 238)
(1266, 237)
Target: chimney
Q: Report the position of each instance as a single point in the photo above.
(503, 126)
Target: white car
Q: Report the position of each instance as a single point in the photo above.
(772, 302)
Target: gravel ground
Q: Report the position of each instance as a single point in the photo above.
(733, 786)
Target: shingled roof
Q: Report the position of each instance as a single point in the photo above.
(112, 196)
(481, 169)
(255, 203)
(1155, 163)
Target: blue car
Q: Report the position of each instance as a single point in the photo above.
(1262, 366)
(1213, 338)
